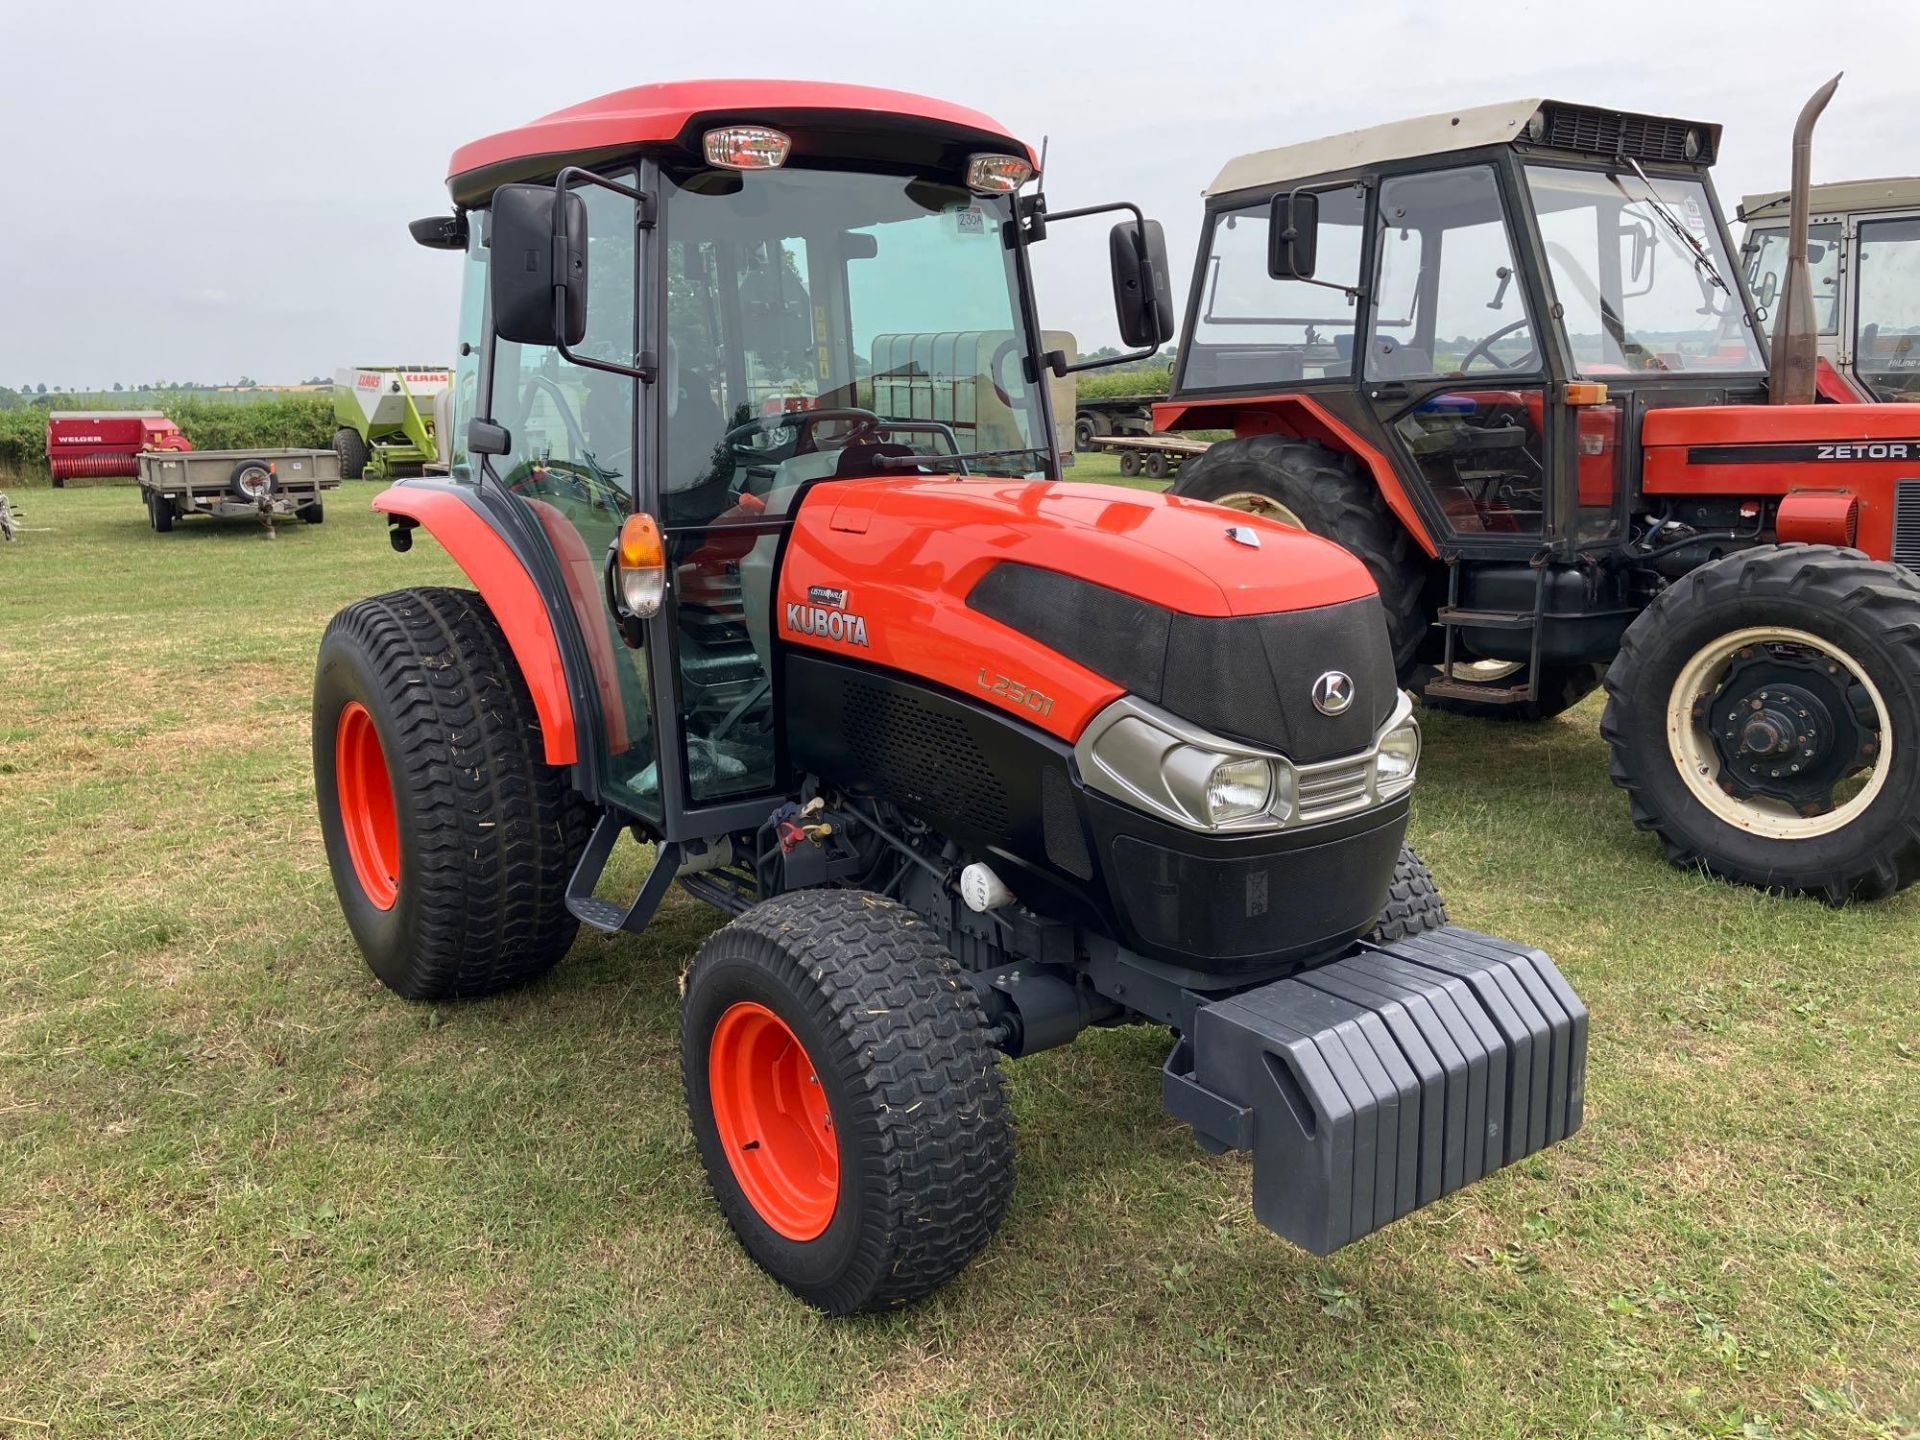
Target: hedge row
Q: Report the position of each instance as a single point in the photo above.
(1098, 384)
(291, 422)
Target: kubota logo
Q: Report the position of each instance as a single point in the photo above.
(827, 624)
(1333, 692)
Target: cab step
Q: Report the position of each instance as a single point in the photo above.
(589, 909)
(1486, 619)
(1440, 688)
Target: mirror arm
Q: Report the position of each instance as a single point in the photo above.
(643, 211)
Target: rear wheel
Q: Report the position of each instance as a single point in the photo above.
(1311, 487)
(449, 837)
(351, 447)
(845, 1099)
(1763, 716)
(1129, 462)
(1157, 464)
(159, 512)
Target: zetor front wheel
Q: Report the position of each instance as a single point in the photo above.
(449, 836)
(845, 1098)
(1764, 717)
(1314, 488)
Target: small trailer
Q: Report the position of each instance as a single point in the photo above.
(265, 485)
(1097, 416)
(1156, 456)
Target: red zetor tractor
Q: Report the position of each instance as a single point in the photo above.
(973, 758)
(1505, 357)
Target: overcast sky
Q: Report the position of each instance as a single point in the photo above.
(201, 191)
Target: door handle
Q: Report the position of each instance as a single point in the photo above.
(1390, 391)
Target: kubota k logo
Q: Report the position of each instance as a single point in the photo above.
(1333, 692)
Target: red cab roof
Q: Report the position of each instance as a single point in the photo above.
(628, 119)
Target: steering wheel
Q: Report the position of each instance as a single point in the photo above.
(1484, 350)
(1003, 353)
(575, 435)
(862, 423)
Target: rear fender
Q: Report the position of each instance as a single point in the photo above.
(1305, 419)
(511, 594)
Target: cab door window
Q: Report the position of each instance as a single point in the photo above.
(1454, 344)
(1887, 354)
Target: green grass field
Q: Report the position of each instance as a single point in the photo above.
(243, 1191)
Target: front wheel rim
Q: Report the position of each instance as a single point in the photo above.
(1254, 503)
(369, 820)
(771, 1114)
(1690, 717)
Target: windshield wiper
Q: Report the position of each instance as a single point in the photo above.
(1701, 260)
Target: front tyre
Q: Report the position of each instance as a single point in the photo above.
(1413, 903)
(1764, 717)
(845, 1098)
(449, 837)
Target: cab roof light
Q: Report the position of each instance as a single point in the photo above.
(747, 147)
(998, 174)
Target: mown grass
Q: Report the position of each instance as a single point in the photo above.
(243, 1191)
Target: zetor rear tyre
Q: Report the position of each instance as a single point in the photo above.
(1774, 670)
(1300, 482)
(845, 1098)
(1413, 903)
(450, 838)
(351, 446)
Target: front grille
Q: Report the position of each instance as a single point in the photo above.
(1335, 788)
(922, 758)
(1607, 132)
(1906, 525)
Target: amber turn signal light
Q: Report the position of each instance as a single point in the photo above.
(640, 565)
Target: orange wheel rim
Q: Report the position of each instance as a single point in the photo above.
(771, 1113)
(366, 805)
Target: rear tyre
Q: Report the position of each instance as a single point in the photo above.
(351, 446)
(845, 1100)
(1763, 716)
(1129, 462)
(159, 512)
(1084, 429)
(449, 837)
(1156, 465)
(314, 514)
(1413, 904)
(1309, 486)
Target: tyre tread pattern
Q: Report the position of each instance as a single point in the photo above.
(1413, 903)
(931, 1112)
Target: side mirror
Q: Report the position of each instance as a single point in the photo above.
(1293, 235)
(1142, 287)
(532, 237)
(1769, 290)
(440, 232)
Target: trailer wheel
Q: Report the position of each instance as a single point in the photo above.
(449, 837)
(1763, 716)
(1084, 429)
(351, 446)
(1156, 465)
(1413, 904)
(251, 481)
(159, 512)
(845, 1098)
(313, 514)
(1129, 462)
(1312, 487)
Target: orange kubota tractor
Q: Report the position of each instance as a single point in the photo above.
(1505, 357)
(974, 759)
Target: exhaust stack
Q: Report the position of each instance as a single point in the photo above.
(1795, 339)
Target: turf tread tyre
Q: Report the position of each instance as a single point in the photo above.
(489, 832)
(919, 1103)
(1413, 903)
(1336, 501)
(1817, 588)
(351, 446)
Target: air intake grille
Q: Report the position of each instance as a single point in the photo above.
(1906, 525)
(1333, 789)
(1607, 132)
(923, 758)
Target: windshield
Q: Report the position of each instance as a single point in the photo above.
(825, 324)
(1636, 295)
(1765, 254)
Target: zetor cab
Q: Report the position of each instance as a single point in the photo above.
(755, 482)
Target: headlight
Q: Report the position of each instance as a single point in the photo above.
(1398, 758)
(1237, 789)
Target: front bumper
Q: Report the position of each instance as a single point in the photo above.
(1374, 1085)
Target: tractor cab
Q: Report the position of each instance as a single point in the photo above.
(1491, 299)
(1863, 254)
